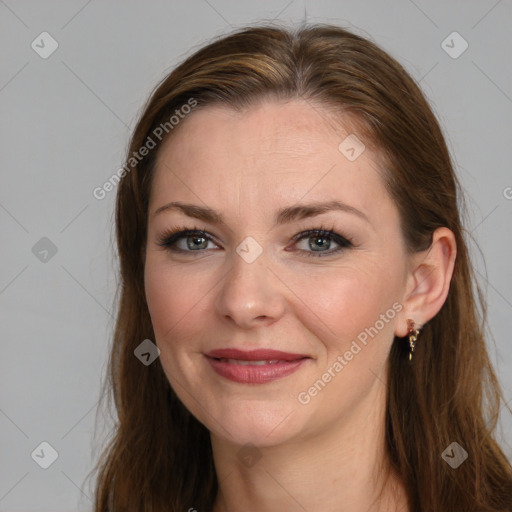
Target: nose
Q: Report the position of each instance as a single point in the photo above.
(250, 294)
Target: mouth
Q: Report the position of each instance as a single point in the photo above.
(254, 366)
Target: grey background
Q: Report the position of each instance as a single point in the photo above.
(64, 127)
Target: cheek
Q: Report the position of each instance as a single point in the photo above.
(173, 297)
(358, 308)
(176, 301)
(350, 303)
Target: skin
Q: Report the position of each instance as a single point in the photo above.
(327, 454)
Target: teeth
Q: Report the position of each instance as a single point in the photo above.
(249, 363)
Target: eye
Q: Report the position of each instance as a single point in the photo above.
(181, 239)
(319, 242)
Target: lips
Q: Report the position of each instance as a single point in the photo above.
(254, 366)
(254, 355)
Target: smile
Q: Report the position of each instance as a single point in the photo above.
(254, 367)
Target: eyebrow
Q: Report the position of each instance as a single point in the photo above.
(283, 216)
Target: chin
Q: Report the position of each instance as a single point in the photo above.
(261, 424)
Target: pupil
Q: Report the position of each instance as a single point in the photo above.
(320, 242)
(196, 239)
(316, 239)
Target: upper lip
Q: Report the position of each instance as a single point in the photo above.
(262, 354)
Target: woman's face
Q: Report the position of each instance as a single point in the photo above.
(257, 281)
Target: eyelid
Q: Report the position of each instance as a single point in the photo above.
(171, 235)
(344, 242)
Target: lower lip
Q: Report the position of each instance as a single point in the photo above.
(255, 374)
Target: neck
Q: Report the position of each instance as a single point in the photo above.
(344, 469)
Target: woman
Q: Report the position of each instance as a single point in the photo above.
(297, 328)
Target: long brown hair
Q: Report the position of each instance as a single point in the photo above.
(159, 458)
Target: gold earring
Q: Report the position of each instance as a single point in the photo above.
(413, 336)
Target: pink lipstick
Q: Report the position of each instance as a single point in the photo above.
(254, 366)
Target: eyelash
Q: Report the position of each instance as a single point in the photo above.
(172, 235)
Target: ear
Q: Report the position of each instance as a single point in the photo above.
(428, 281)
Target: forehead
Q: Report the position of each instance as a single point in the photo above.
(291, 129)
(272, 153)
